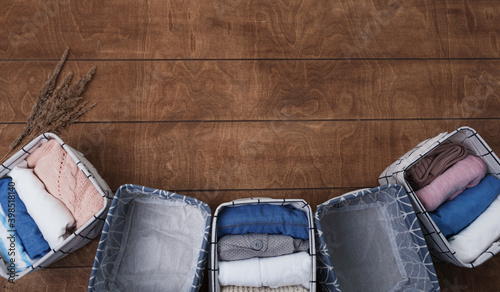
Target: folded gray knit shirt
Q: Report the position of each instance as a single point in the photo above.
(246, 246)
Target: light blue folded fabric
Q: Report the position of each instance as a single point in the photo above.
(263, 218)
(28, 233)
(455, 215)
(12, 251)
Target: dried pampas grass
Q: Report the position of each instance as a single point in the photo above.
(55, 107)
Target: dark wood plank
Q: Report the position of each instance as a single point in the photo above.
(83, 257)
(252, 155)
(267, 90)
(482, 278)
(222, 109)
(313, 197)
(255, 29)
(60, 279)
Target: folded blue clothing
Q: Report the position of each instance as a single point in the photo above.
(12, 252)
(455, 215)
(26, 229)
(263, 218)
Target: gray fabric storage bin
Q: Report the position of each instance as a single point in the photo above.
(299, 204)
(153, 240)
(439, 246)
(85, 233)
(370, 240)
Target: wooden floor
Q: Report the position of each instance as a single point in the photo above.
(227, 99)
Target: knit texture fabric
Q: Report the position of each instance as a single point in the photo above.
(65, 181)
(51, 216)
(464, 174)
(435, 163)
(245, 246)
(263, 289)
(287, 270)
(263, 218)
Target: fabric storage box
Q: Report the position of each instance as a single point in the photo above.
(88, 225)
(370, 240)
(439, 246)
(297, 224)
(153, 240)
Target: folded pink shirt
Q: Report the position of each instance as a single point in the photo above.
(464, 174)
(65, 181)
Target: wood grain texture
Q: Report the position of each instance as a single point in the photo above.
(267, 90)
(221, 100)
(49, 280)
(83, 257)
(313, 197)
(252, 155)
(250, 29)
(482, 278)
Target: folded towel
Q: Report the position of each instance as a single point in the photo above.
(287, 270)
(263, 289)
(65, 181)
(28, 233)
(471, 242)
(250, 245)
(12, 251)
(455, 215)
(466, 173)
(263, 218)
(435, 163)
(51, 216)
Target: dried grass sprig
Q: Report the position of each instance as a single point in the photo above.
(55, 107)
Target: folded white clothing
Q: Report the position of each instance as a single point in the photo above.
(12, 251)
(472, 241)
(50, 214)
(274, 272)
(263, 289)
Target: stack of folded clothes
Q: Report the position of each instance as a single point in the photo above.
(460, 196)
(263, 246)
(43, 199)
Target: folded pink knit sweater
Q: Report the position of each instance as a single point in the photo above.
(65, 181)
(466, 173)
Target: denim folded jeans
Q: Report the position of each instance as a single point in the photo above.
(263, 218)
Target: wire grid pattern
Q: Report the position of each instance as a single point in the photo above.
(409, 238)
(89, 230)
(297, 203)
(438, 245)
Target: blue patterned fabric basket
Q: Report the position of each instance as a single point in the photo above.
(153, 240)
(370, 240)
